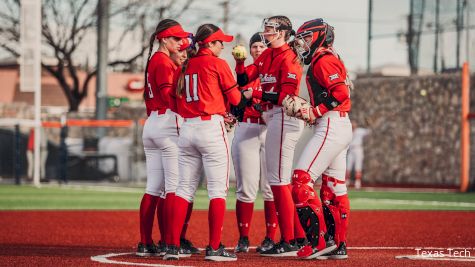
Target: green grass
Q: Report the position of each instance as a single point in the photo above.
(98, 198)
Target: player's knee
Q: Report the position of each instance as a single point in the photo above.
(302, 194)
(217, 193)
(301, 177)
(243, 197)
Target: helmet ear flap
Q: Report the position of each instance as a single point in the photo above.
(329, 35)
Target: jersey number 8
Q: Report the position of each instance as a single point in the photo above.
(194, 84)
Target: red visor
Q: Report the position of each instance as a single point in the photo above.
(218, 36)
(175, 31)
(185, 45)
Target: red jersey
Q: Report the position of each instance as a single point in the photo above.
(209, 85)
(159, 82)
(327, 74)
(278, 71)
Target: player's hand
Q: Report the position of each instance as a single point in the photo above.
(239, 53)
(307, 114)
(247, 94)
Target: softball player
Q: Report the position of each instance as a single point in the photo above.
(279, 72)
(249, 165)
(160, 133)
(325, 153)
(186, 247)
(356, 154)
(203, 86)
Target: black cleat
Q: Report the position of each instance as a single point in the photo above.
(161, 248)
(281, 249)
(219, 255)
(172, 253)
(243, 245)
(266, 244)
(340, 253)
(300, 242)
(187, 248)
(146, 250)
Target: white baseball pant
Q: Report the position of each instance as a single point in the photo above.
(160, 141)
(325, 153)
(283, 133)
(203, 144)
(248, 155)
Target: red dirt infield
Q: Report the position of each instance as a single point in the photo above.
(71, 238)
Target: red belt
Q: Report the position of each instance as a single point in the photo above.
(203, 118)
(161, 111)
(343, 113)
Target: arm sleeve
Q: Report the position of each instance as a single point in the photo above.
(329, 72)
(247, 74)
(290, 75)
(228, 84)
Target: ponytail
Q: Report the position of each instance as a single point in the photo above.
(151, 42)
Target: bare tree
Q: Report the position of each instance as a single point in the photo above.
(66, 23)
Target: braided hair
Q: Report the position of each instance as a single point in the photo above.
(162, 25)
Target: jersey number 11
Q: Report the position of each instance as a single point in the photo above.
(193, 84)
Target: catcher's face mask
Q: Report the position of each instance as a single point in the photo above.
(270, 31)
(303, 41)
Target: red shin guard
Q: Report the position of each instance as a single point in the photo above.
(244, 216)
(217, 207)
(342, 203)
(147, 215)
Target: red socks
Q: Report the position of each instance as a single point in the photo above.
(271, 219)
(244, 216)
(168, 212)
(161, 218)
(285, 208)
(147, 215)
(180, 208)
(217, 207)
(187, 220)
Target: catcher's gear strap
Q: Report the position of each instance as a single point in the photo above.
(319, 93)
(272, 97)
(326, 179)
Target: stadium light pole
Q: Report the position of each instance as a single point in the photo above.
(30, 69)
(102, 58)
(368, 48)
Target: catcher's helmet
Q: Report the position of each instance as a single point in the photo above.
(321, 35)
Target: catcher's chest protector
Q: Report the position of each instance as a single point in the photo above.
(316, 91)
